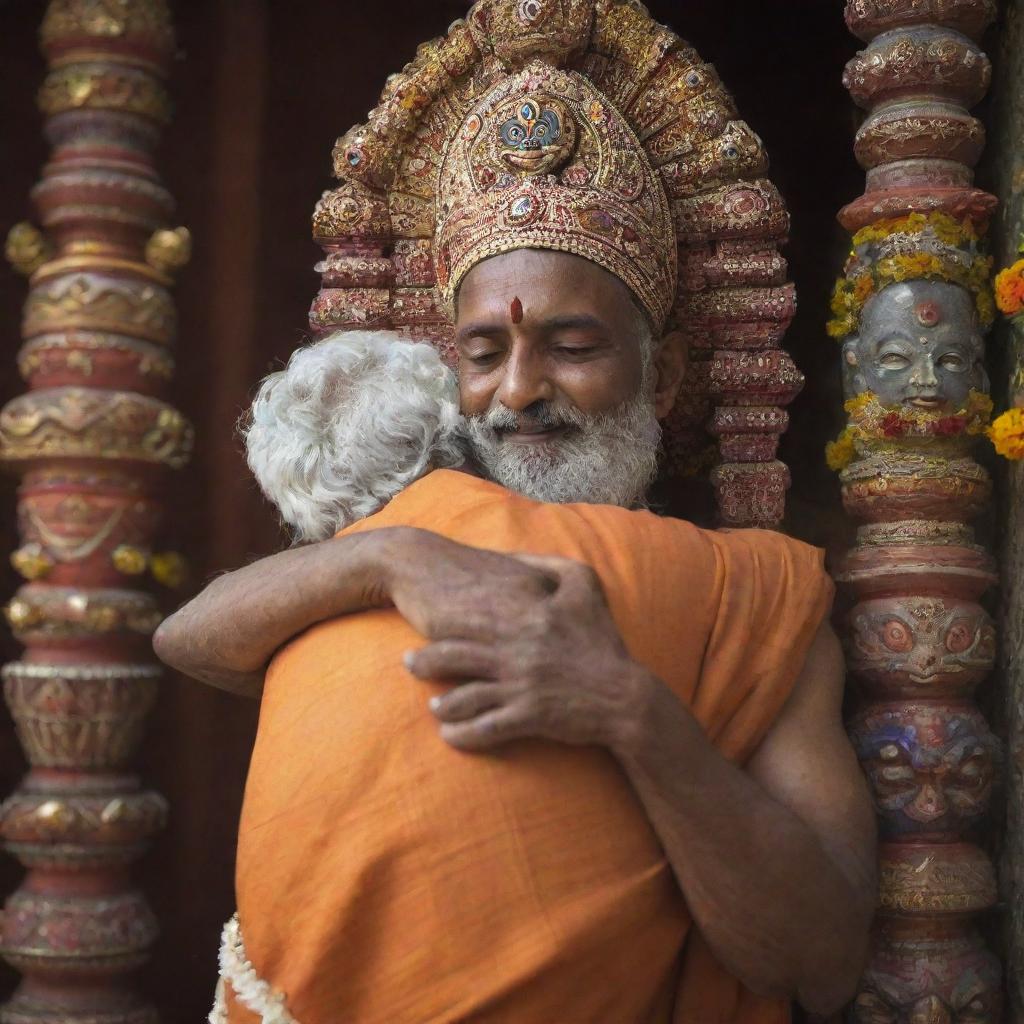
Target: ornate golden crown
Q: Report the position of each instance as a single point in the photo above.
(543, 161)
(577, 125)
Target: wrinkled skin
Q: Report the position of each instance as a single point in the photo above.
(919, 345)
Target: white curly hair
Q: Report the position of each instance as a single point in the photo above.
(351, 420)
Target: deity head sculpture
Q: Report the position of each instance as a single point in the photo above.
(920, 646)
(931, 766)
(918, 344)
(949, 979)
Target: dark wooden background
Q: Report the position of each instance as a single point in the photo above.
(262, 89)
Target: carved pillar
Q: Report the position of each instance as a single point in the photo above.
(90, 438)
(911, 313)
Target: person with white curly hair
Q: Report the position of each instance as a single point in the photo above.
(353, 419)
(360, 435)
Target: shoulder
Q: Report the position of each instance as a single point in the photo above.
(772, 555)
(770, 543)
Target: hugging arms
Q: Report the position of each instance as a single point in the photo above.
(776, 860)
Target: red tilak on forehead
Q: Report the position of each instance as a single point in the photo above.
(517, 311)
(928, 314)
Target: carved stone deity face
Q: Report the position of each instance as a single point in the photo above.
(945, 980)
(925, 646)
(931, 766)
(920, 345)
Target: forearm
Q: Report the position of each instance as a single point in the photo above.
(777, 909)
(228, 633)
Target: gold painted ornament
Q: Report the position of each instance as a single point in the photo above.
(27, 248)
(32, 562)
(168, 250)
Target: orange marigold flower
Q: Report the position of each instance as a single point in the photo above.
(1010, 289)
(1007, 434)
(862, 288)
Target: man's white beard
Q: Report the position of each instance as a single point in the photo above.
(608, 458)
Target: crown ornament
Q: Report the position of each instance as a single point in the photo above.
(580, 126)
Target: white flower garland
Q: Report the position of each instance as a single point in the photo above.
(249, 988)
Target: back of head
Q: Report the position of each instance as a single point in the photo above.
(352, 420)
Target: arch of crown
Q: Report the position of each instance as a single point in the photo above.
(505, 133)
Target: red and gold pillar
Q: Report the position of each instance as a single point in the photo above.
(91, 439)
(910, 314)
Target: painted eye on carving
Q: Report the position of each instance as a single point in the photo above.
(897, 773)
(872, 1008)
(897, 637)
(951, 361)
(893, 361)
(975, 771)
(959, 637)
(513, 133)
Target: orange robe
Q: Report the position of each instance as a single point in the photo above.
(385, 878)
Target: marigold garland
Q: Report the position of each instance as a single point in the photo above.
(865, 278)
(870, 420)
(1007, 430)
(1007, 434)
(947, 229)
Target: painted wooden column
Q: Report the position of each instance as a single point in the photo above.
(910, 313)
(91, 438)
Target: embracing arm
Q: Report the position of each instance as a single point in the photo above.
(226, 635)
(777, 862)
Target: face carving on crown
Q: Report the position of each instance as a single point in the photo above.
(538, 138)
(920, 345)
(525, 30)
(931, 767)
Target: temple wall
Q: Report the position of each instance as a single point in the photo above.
(1005, 174)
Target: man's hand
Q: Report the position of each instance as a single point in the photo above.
(776, 863)
(226, 635)
(552, 665)
(444, 589)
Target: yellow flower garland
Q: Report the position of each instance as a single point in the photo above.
(851, 293)
(870, 420)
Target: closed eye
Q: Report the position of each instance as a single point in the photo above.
(894, 361)
(483, 358)
(576, 350)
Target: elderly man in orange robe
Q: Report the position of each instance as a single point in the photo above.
(590, 776)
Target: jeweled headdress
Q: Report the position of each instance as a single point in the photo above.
(544, 161)
(581, 126)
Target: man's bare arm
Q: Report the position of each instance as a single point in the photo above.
(226, 635)
(777, 862)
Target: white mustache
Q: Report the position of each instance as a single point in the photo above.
(539, 416)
